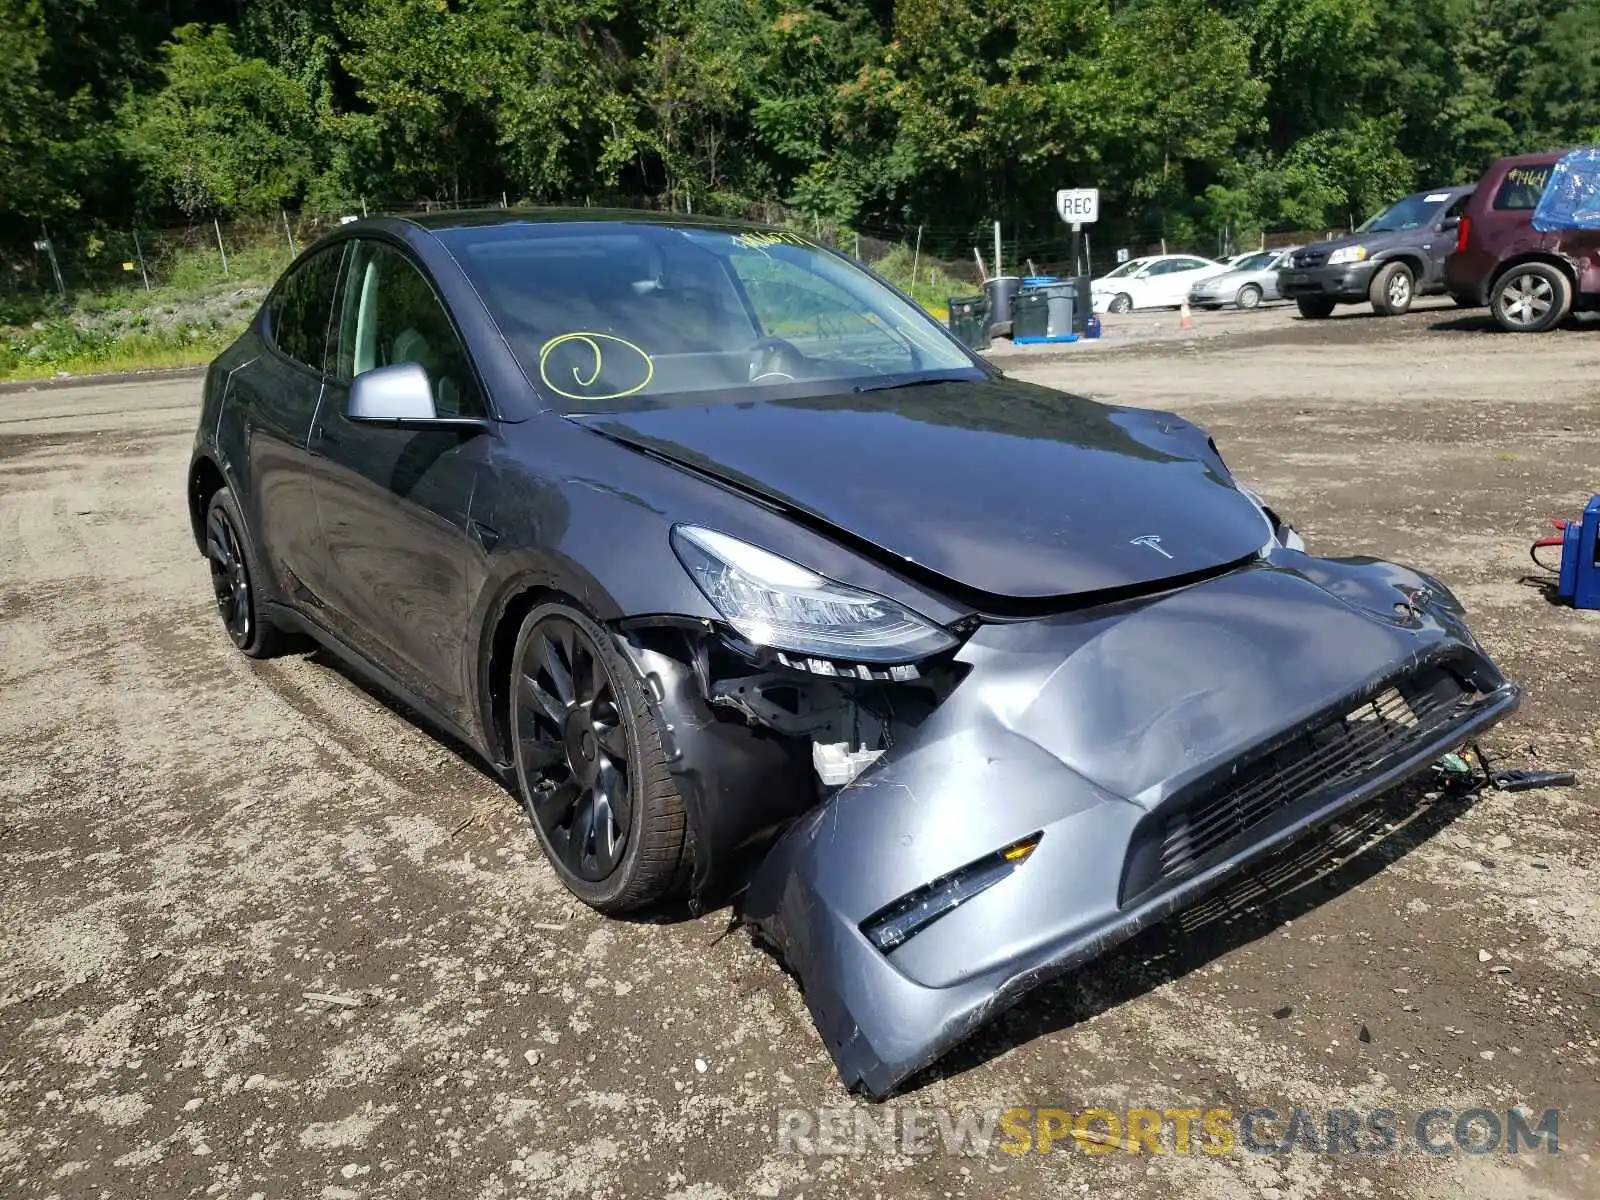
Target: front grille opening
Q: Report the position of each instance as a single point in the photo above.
(1339, 750)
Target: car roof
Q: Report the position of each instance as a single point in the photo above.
(481, 218)
(1537, 159)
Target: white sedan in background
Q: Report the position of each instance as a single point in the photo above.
(1158, 281)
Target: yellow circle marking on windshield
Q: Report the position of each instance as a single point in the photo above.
(592, 340)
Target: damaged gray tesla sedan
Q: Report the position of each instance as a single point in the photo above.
(755, 585)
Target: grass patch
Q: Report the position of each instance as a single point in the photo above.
(186, 321)
(61, 347)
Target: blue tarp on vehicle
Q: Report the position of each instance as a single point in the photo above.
(1571, 199)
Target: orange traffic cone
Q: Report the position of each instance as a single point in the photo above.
(1185, 321)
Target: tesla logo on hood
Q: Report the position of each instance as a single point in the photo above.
(1150, 541)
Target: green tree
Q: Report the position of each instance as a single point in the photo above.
(224, 134)
(29, 182)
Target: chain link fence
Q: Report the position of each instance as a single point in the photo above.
(67, 263)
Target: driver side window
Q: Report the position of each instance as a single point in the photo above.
(389, 314)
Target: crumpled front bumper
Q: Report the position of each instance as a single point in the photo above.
(1101, 732)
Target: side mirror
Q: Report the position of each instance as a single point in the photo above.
(1450, 223)
(400, 395)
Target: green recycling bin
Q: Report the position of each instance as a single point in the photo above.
(969, 321)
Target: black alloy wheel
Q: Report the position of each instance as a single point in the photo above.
(590, 771)
(230, 578)
(234, 576)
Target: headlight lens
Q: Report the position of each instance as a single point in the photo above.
(1347, 254)
(773, 602)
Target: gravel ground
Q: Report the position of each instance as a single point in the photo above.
(194, 848)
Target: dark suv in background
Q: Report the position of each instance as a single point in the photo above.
(1530, 280)
(1394, 257)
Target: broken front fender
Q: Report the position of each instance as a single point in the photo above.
(1145, 752)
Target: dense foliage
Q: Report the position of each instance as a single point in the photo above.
(1191, 115)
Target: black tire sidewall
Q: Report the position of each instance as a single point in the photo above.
(610, 893)
(1248, 289)
(1558, 311)
(264, 640)
(1120, 303)
(1314, 309)
(1378, 293)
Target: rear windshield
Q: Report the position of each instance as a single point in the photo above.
(614, 315)
(1521, 188)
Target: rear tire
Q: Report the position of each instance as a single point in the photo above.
(236, 577)
(1392, 290)
(1249, 296)
(1531, 298)
(590, 771)
(1314, 308)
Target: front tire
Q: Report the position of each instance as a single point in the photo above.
(1249, 296)
(590, 771)
(236, 579)
(1392, 290)
(1531, 298)
(1120, 303)
(1314, 308)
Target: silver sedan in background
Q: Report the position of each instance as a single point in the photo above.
(1250, 279)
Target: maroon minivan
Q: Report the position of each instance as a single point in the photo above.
(1529, 280)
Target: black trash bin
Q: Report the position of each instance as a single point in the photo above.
(1030, 313)
(1001, 290)
(1074, 288)
(969, 321)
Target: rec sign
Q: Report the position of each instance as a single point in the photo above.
(1078, 206)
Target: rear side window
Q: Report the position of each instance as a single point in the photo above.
(298, 317)
(1521, 188)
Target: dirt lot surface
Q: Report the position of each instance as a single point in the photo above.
(190, 843)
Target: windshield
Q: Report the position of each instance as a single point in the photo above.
(1254, 262)
(1127, 268)
(608, 315)
(1411, 213)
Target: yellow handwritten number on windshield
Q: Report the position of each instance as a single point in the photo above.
(592, 342)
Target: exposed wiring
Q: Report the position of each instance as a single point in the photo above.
(1542, 543)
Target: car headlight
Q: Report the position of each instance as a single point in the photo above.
(773, 602)
(1347, 254)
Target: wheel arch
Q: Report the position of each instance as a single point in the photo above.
(1548, 257)
(206, 479)
(1408, 258)
(522, 587)
(520, 596)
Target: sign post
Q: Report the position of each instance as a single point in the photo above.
(1078, 207)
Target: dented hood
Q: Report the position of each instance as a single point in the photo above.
(1002, 487)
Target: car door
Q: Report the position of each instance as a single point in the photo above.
(275, 398)
(1167, 283)
(1186, 272)
(394, 504)
(1267, 277)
